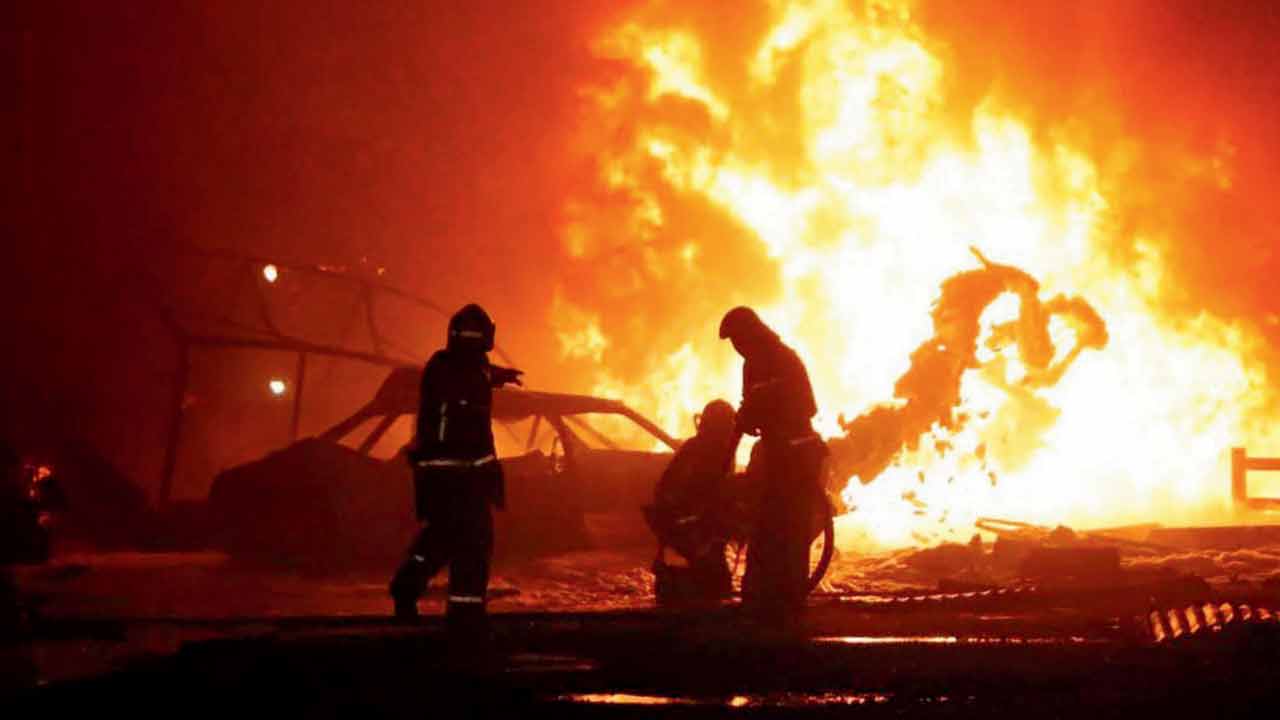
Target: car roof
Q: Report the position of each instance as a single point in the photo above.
(398, 395)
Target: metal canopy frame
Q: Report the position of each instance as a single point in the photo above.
(398, 396)
(266, 335)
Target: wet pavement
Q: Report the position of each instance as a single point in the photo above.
(645, 664)
(576, 635)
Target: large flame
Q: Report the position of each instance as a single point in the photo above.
(827, 143)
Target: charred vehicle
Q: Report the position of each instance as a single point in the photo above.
(335, 501)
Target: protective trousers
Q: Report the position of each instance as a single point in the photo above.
(777, 576)
(457, 530)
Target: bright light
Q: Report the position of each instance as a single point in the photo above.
(271, 273)
(277, 386)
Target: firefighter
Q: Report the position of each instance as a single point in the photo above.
(778, 406)
(457, 477)
(689, 512)
(15, 537)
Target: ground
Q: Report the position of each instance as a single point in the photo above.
(577, 632)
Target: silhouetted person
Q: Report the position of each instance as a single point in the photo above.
(689, 511)
(457, 477)
(777, 405)
(23, 537)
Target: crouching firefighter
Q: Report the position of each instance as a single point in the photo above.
(777, 405)
(690, 513)
(456, 475)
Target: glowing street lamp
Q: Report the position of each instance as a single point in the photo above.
(270, 272)
(277, 386)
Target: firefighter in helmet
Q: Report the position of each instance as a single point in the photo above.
(778, 406)
(457, 477)
(689, 512)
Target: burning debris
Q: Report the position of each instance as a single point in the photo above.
(928, 396)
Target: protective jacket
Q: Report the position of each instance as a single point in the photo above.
(693, 484)
(689, 509)
(454, 430)
(777, 399)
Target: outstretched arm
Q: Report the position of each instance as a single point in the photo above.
(499, 376)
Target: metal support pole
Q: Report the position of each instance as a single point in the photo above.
(299, 380)
(176, 411)
(1239, 491)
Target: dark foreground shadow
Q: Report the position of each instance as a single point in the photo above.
(656, 666)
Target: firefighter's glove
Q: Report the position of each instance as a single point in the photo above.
(746, 428)
(502, 376)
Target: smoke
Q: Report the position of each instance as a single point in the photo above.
(423, 139)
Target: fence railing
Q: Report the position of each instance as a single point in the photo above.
(1241, 464)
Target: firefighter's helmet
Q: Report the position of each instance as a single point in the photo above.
(717, 417)
(471, 329)
(741, 323)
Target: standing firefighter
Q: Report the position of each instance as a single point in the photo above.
(777, 405)
(457, 477)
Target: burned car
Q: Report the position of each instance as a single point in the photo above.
(332, 501)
